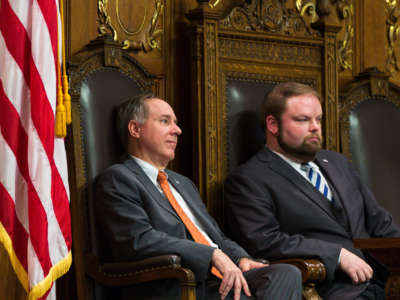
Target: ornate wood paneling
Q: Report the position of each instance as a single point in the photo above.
(331, 92)
(292, 52)
(142, 33)
(270, 16)
(393, 36)
(249, 44)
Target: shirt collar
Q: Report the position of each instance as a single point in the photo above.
(150, 170)
(294, 164)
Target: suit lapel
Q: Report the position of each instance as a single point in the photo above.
(332, 174)
(194, 208)
(281, 167)
(186, 195)
(149, 186)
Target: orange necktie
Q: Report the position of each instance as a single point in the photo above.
(193, 230)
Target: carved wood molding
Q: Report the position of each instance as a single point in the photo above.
(270, 16)
(211, 113)
(345, 14)
(204, 52)
(99, 54)
(331, 93)
(83, 64)
(147, 34)
(283, 52)
(345, 11)
(393, 35)
(273, 16)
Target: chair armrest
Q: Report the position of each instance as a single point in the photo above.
(312, 270)
(134, 272)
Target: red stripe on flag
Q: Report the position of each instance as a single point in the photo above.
(61, 206)
(41, 111)
(19, 46)
(17, 139)
(14, 228)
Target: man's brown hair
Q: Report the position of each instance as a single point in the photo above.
(275, 101)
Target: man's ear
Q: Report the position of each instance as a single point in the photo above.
(271, 124)
(134, 129)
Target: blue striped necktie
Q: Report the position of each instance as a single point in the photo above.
(317, 180)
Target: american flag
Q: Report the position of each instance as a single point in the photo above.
(34, 194)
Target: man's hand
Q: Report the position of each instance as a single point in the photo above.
(232, 276)
(358, 270)
(246, 264)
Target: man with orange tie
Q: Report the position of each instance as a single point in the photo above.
(146, 210)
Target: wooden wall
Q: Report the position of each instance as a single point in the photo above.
(154, 33)
(364, 41)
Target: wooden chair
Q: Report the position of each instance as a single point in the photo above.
(387, 251)
(102, 76)
(369, 120)
(237, 56)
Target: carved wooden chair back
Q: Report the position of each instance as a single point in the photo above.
(236, 57)
(369, 119)
(99, 82)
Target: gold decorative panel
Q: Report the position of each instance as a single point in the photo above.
(268, 16)
(210, 94)
(274, 16)
(331, 93)
(345, 52)
(137, 25)
(262, 50)
(393, 35)
(308, 10)
(345, 11)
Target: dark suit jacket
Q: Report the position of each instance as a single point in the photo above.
(274, 212)
(137, 221)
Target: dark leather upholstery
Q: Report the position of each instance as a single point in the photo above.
(101, 92)
(244, 121)
(375, 149)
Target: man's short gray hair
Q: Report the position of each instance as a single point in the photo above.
(135, 109)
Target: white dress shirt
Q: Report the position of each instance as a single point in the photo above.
(152, 173)
(297, 166)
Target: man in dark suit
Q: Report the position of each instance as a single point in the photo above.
(143, 215)
(293, 199)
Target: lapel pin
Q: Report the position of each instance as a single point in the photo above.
(177, 181)
(324, 160)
